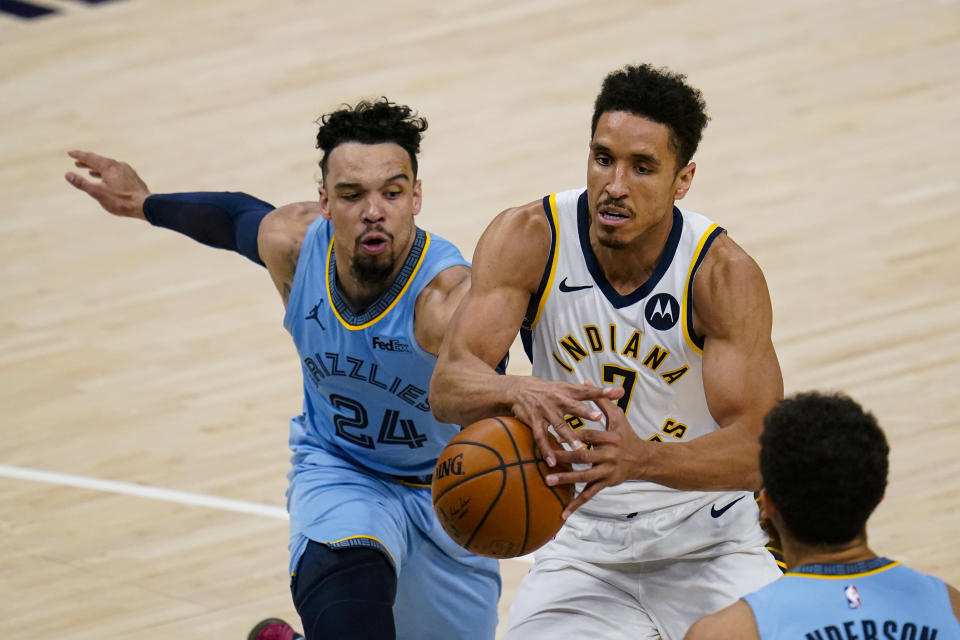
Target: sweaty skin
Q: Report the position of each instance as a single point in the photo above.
(632, 184)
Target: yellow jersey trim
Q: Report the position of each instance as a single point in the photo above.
(553, 263)
(406, 285)
(684, 305)
(416, 485)
(845, 576)
(377, 540)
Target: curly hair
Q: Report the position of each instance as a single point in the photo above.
(371, 122)
(659, 95)
(824, 462)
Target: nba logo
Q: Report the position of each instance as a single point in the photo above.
(853, 596)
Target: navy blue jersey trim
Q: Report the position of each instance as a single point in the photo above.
(526, 333)
(617, 300)
(698, 339)
(385, 300)
(842, 569)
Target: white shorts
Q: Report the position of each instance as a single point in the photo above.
(569, 589)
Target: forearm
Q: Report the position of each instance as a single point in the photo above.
(462, 394)
(726, 459)
(224, 220)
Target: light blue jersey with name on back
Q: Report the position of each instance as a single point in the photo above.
(877, 599)
(365, 377)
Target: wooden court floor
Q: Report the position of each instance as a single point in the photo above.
(146, 382)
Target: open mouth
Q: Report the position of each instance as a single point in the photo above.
(612, 216)
(374, 243)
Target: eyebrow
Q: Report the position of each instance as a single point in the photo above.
(641, 157)
(356, 185)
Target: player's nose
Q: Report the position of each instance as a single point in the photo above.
(616, 186)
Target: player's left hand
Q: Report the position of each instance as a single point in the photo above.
(616, 454)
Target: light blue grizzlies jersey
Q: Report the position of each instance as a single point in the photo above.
(873, 600)
(365, 378)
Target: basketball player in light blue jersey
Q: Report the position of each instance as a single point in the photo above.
(824, 466)
(616, 284)
(368, 297)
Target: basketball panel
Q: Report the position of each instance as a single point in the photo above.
(503, 533)
(462, 508)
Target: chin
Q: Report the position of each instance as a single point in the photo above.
(610, 241)
(373, 270)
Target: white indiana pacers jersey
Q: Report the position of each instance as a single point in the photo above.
(643, 341)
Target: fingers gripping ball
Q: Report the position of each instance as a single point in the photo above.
(489, 491)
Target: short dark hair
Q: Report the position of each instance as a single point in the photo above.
(824, 462)
(371, 122)
(659, 95)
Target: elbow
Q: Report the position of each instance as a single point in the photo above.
(440, 404)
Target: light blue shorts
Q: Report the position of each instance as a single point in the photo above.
(443, 591)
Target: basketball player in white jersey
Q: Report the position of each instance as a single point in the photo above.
(615, 285)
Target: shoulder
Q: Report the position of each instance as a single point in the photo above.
(530, 220)
(954, 600)
(289, 221)
(736, 622)
(514, 248)
(436, 303)
(447, 283)
(728, 265)
(280, 238)
(728, 287)
(282, 230)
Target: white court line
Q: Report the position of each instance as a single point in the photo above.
(154, 493)
(144, 491)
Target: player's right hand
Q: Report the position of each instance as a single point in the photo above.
(541, 404)
(118, 189)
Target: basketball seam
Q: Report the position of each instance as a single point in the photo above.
(501, 467)
(478, 474)
(553, 490)
(493, 503)
(526, 493)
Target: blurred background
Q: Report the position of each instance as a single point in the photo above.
(132, 355)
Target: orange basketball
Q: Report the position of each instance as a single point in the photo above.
(489, 491)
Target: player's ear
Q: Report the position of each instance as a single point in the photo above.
(683, 181)
(767, 508)
(324, 203)
(417, 197)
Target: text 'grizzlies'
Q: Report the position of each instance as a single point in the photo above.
(334, 364)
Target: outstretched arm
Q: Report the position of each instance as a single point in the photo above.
(508, 263)
(225, 220)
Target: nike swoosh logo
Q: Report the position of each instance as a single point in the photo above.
(567, 288)
(716, 513)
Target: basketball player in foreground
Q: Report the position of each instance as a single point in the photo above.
(824, 465)
(368, 296)
(614, 284)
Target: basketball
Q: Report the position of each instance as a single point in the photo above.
(490, 494)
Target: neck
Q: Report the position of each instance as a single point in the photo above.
(359, 295)
(797, 553)
(628, 266)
